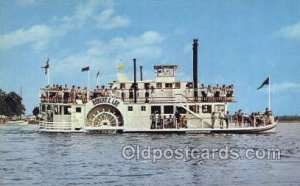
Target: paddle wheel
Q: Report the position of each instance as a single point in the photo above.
(104, 115)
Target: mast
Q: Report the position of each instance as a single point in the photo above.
(195, 69)
(134, 80)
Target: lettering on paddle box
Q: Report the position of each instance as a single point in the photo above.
(108, 100)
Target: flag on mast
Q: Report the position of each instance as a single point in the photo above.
(266, 82)
(85, 69)
(46, 67)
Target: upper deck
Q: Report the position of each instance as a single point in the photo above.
(147, 92)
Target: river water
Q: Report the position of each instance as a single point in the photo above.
(28, 157)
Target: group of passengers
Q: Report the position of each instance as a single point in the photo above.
(213, 93)
(63, 94)
(239, 118)
(159, 121)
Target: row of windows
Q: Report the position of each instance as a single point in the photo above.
(170, 109)
(59, 110)
(158, 85)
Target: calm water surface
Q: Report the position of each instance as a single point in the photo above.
(28, 157)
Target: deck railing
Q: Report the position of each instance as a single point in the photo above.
(59, 126)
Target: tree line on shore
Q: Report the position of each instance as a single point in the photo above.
(11, 104)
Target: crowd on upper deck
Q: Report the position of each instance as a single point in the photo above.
(64, 94)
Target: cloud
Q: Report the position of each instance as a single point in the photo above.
(286, 87)
(291, 31)
(93, 12)
(36, 34)
(105, 19)
(108, 54)
(109, 20)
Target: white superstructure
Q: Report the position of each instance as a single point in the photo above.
(164, 104)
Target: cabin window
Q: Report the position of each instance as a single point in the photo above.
(143, 108)
(219, 108)
(189, 85)
(78, 109)
(168, 85)
(168, 109)
(49, 107)
(177, 85)
(158, 85)
(43, 108)
(181, 110)
(130, 108)
(67, 110)
(155, 109)
(194, 108)
(146, 86)
(206, 109)
(122, 85)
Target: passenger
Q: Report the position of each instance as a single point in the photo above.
(78, 94)
(221, 117)
(131, 94)
(213, 119)
(177, 116)
(122, 94)
(84, 95)
(147, 96)
(240, 117)
(226, 118)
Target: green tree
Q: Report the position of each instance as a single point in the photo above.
(11, 104)
(36, 111)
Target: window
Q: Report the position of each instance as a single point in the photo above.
(168, 85)
(194, 108)
(130, 108)
(181, 110)
(67, 110)
(43, 108)
(143, 108)
(146, 85)
(206, 108)
(189, 85)
(158, 85)
(177, 85)
(168, 109)
(219, 108)
(122, 85)
(155, 109)
(78, 109)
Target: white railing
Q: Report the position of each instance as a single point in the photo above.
(57, 126)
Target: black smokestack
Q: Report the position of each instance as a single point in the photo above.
(134, 79)
(195, 68)
(141, 72)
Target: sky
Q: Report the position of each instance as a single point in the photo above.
(240, 43)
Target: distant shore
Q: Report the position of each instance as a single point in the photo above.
(289, 119)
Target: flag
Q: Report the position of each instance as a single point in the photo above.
(98, 73)
(46, 67)
(266, 82)
(85, 69)
(121, 67)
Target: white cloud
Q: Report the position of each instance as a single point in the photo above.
(109, 20)
(107, 54)
(35, 34)
(91, 12)
(291, 31)
(286, 87)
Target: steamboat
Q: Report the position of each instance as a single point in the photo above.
(162, 105)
